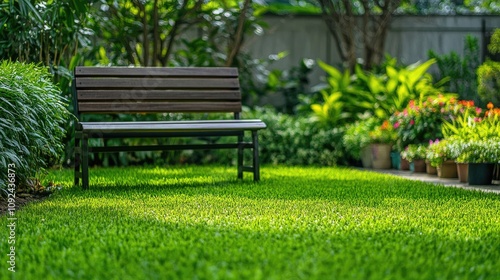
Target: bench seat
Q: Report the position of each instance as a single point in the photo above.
(171, 126)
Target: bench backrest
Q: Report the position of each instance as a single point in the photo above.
(156, 90)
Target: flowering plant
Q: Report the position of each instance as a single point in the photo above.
(383, 134)
(440, 151)
(474, 126)
(414, 151)
(422, 120)
(480, 151)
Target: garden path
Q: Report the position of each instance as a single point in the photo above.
(495, 187)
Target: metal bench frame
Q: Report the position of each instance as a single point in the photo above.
(112, 90)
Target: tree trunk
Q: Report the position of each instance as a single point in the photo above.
(345, 22)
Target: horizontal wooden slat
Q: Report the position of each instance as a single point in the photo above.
(157, 83)
(120, 127)
(158, 107)
(162, 134)
(185, 123)
(156, 71)
(112, 149)
(158, 95)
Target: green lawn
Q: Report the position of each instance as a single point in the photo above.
(297, 223)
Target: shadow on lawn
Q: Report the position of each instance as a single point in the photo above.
(360, 189)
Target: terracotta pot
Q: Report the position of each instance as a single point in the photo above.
(481, 173)
(404, 164)
(463, 172)
(447, 169)
(418, 166)
(381, 156)
(366, 157)
(430, 169)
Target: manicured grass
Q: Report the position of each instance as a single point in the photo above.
(297, 223)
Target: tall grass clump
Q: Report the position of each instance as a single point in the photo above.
(32, 113)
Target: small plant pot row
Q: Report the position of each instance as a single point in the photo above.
(380, 156)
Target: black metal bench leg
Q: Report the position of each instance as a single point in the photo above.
(85, 162)
(256, 168)
(240, 156)
(78, 158)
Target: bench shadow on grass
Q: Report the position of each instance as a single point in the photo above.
(360, 189)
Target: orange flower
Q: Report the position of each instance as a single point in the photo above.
(412, 103)
(385, 125)
(490, 106)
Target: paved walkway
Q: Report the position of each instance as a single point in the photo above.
(495, 187)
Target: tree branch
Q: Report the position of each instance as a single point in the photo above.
(235, 48)
(156, 35)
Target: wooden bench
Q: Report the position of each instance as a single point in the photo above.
(123, 90)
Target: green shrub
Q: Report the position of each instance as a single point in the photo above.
(488, 74)
(357, 136)
(297, 140)
(31, 114)
(489, 82)
(461, 71)
(346, 97)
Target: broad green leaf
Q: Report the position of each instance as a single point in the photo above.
(418, 72)
(392, 72)
(330, 70)
(374, 84)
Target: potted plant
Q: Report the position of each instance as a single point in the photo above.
(481, 155)
(441, 156)
(476, 138)
(421, 120)
(357, 140)
(415, 154)
(382, 138)
(458, 146)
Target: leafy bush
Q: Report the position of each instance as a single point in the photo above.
(489, 81)
(488, 73)
(378, 94)
(461, 71)
(31, 115)
(297, 140)
(357, 136)
(291, 84)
